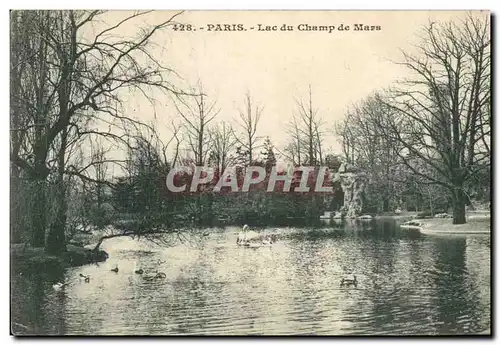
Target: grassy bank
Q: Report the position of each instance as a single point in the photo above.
(36, 259)
(477, 223)
(401, 215)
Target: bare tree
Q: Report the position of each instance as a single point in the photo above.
(145, 203)
(441, 114)
(293, 151)
(175, 137)
(307, 133)
(248, 122)
(197, 113)
(71, 74)
(346, 137)
(223, 142)
(370, 151)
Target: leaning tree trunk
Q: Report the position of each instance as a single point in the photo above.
(458, 206)
(56, 239)
(38, 212)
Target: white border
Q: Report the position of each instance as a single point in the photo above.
(261, 4)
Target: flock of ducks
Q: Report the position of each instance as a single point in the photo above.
(349, 280)
(86, 278)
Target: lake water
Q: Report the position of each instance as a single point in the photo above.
(409, 284)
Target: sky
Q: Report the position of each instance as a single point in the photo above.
(276, 67)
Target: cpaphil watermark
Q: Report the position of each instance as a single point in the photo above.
(304, 178)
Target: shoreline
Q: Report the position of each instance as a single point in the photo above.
(26, 258)
(476, 225)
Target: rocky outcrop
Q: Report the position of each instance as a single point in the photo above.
(353, 183)
(338, 215)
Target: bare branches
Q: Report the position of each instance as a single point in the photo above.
(197, 112)
(306, 133)
(447, 98)
(248, 121)
(89, 76)
(68, 82)
(437, 122)
(223, 143)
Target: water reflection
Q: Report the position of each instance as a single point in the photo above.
(408, 284)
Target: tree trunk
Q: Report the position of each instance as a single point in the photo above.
(430, 203)
(459, 206)
(39, 216)
(15, 205)
(386, 205)
(209, 213)
(56, 239)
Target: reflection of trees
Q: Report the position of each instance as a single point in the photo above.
(319, 261)
(307, 261)
(408, 286)
(25, 303)
(418, 287)
(454, 299)
(196, 298)
(478, 261)
(379, 248)
(35, 306)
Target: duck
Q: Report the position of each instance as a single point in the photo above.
(268, 240)
(148, 278)
(139, 271)
(115, 269)
(349, 280)
(86, 278)
(273, 238)
(161, 262)
(160, 275)
(59, 286)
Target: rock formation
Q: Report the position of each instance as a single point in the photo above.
(353, 183)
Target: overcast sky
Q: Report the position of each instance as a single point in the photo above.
(341, 67)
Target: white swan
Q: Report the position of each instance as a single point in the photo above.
(246, 235)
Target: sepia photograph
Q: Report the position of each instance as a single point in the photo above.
(250, 173)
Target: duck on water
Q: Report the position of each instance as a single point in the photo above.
(85, 278)
(158, 275)
(59, 286)
(349, 280)
(159, 262)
